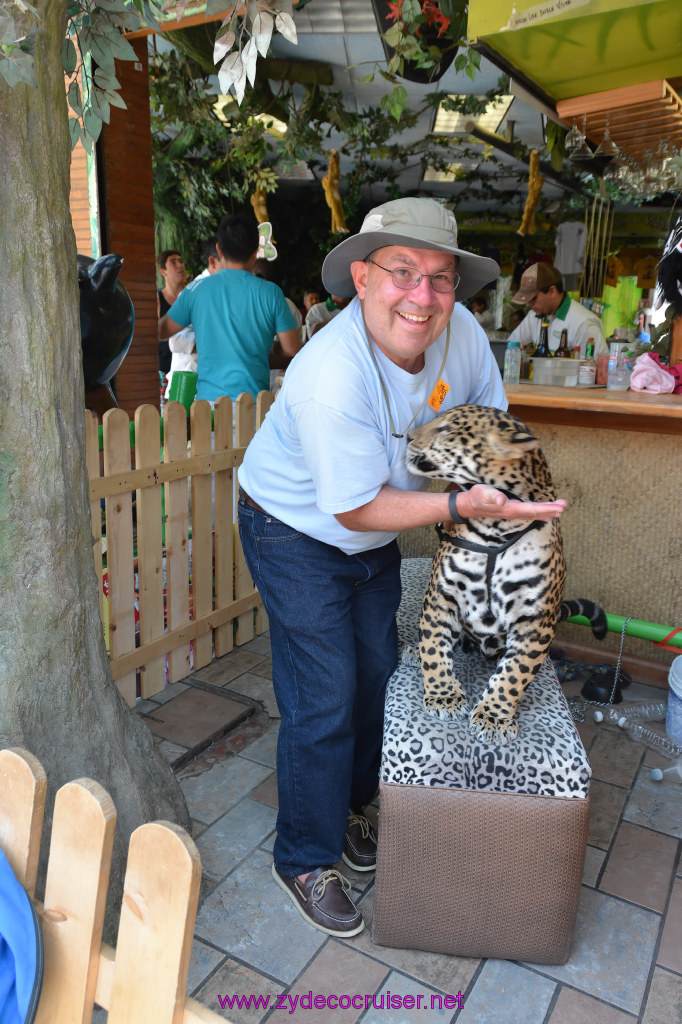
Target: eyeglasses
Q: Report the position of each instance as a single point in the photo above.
(409, 278)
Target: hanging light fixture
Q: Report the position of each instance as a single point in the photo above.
(581, 150)
(574, 138)
(607, 147)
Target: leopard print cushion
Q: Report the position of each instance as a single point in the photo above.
(421, 749)
(415, 574)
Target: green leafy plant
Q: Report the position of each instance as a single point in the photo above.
(17, 43)
(555, 136)
(94, 40)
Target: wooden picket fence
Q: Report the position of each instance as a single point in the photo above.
(144, 979)
(178, 591)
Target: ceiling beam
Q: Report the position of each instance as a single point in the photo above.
(512, 149)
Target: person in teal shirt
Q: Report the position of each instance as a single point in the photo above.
(235, 317)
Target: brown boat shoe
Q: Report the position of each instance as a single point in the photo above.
(360, 844)
(324, 901)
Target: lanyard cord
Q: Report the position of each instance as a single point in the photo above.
(370, 343)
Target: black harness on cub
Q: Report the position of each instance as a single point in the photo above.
(486, 549)
(492, 551)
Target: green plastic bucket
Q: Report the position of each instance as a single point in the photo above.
(183, 387)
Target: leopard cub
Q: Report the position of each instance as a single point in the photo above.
(497, 583)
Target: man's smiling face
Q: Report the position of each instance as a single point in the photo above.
(404, 323)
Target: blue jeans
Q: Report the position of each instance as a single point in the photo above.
(334, 647)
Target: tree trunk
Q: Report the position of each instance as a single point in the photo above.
(57, 697)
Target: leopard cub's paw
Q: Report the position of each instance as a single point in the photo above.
(447, 705)
(492, 726)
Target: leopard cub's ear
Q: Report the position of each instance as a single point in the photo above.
(512, 444)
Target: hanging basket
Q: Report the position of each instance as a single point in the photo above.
(428, 35)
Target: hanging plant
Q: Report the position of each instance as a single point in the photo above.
(421, 39)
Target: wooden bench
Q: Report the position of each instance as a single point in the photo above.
(143, 980)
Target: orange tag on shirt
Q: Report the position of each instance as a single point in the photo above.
(438, 395)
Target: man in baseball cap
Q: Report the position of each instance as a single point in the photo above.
(538, 278)
(542, 290)
(325, 491)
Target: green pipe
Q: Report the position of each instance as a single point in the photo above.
(100, 431)
(636, 627)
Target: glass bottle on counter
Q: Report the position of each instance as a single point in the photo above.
(563, 351)
(527, 353)
(542, 350)
(587, 371)
(602, 368)
(619, 371)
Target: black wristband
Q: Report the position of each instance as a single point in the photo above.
(452, 506)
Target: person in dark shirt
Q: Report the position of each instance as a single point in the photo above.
(172, 269)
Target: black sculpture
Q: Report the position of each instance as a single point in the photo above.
(669, 283)
(107, 319)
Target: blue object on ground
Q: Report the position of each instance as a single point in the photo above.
(21, 950)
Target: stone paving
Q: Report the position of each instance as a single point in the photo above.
(626, 960)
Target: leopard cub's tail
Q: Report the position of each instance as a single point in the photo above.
(591, 611)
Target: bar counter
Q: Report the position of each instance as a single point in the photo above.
(596, 407)
(621, 532)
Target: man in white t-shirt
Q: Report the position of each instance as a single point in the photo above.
(542, 290)
(325, 492)
(322, 312)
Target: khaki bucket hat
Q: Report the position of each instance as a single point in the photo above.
(417, 223)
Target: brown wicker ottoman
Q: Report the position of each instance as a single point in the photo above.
(481, 848)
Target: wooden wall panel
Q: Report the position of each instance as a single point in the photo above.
(127, 216)
(79, 201)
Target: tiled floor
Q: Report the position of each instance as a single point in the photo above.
(626, 960)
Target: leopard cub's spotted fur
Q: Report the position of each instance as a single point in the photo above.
(507, 600)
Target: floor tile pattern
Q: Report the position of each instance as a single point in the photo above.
(250, 941)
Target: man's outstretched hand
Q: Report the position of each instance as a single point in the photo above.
(481, 501)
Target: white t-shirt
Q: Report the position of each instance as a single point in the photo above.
(570, 247)
(326, 445)
(318, 314)
(485, 319)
